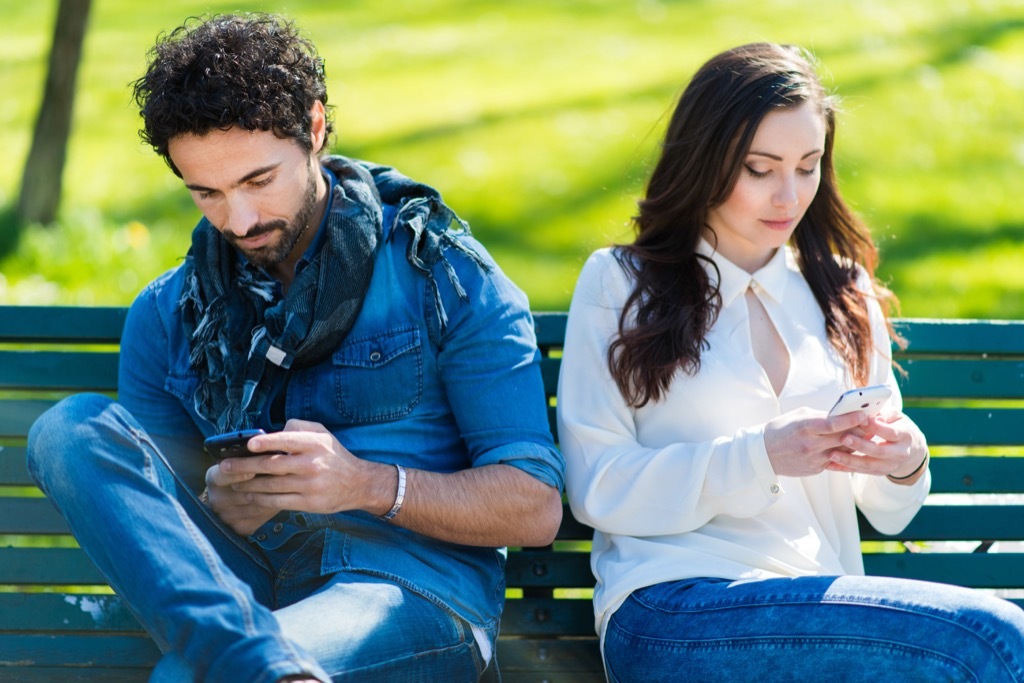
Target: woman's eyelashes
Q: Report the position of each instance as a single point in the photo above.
(764, 174)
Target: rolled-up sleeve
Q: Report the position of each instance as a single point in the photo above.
(490, 367)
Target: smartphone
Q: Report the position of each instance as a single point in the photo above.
(232, 444)
(869, 399)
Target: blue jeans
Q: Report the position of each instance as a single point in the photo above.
(220, 607)
(848, 628)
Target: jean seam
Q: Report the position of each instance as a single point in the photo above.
(753, 643)
(199, 540)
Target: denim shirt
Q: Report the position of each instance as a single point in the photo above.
(396, 390)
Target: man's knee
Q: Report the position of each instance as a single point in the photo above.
(69, 424)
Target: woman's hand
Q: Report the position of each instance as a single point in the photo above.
(890, 445)
(803, 442)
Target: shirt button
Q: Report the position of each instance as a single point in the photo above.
(774, 488)
(278, 527)
(261, 537)
(375, 356)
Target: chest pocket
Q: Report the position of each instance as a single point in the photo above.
(379, 378)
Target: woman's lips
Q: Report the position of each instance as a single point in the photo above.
(778, 223)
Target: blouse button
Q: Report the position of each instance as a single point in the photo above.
(775, 488)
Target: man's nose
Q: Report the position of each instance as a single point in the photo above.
(242, 215)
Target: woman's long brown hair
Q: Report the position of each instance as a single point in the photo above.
(674, 303)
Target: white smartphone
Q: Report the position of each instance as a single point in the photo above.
(869, 399)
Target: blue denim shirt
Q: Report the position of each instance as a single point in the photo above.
(396, 390)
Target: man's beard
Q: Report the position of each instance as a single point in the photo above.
(290, 232)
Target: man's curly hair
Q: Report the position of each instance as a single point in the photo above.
(253, 71)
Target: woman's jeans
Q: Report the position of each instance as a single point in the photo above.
(827, 628)
(220, 607)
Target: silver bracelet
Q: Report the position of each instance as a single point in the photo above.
(399, 497)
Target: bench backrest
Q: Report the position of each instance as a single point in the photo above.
(964, 386)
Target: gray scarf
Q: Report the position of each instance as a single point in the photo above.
(241, 341)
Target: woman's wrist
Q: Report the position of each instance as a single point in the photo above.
(906, 477)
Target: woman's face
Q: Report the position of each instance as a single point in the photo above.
(776, 184)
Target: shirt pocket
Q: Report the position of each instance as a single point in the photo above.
(380, 377)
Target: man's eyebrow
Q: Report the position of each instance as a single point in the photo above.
(778, 158)
(247, 177)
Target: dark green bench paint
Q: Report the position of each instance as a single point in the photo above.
(965, 387)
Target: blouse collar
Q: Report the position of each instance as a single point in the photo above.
(770, 278)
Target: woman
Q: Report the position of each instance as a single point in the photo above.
(700, 363)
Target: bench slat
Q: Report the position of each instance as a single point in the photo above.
(947, 336)
(973, 378)
(944, 426)
(957, 523)
(17, 415)
(548, 617)
(94, 674)
(976, 570)
(12, 468)
(113, 651)
(977, 474)
(950, 474)
(66, 370)
(48, 567)
(62, 324)
(550, 328)
(553, 661)
(969, 426)
(31, 516)
(546, 568)
(56, 612)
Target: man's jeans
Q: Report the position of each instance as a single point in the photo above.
(220, 607)
(850, 628)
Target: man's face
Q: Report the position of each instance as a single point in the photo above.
(260, 191)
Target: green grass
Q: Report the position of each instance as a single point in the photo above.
(538, 121)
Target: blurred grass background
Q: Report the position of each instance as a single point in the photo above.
(539, 119)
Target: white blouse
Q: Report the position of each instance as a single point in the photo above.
(683, 487)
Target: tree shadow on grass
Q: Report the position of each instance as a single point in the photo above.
(926, 234)
(949, 46)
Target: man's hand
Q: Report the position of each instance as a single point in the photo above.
(494, 505)
(312, 472)
(231, 506)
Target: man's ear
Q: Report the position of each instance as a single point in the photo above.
(317, 126)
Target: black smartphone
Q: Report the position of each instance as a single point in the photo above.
(231, 444)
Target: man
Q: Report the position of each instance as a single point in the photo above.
(329, 302)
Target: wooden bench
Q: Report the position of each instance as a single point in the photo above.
(59, 622)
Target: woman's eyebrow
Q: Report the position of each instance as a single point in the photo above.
(778, 158)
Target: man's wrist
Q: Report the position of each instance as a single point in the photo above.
(399, 495)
